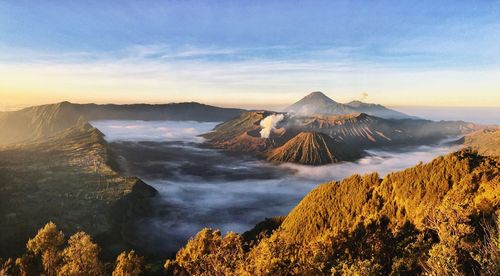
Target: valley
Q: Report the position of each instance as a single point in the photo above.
(150, 185)
(249, 138)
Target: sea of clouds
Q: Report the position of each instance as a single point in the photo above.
(201, 187)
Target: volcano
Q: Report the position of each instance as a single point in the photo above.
(318, 103)
(309, 148)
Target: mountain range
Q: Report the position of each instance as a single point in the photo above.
(41, 121)
(318, 103)
(348, 135)
(55, 166)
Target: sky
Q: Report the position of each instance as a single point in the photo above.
(250, 53)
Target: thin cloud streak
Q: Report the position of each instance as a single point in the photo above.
(161, 73)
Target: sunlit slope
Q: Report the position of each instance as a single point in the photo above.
(41, 121)
(352, 134)
(369, 131)
(240, 134)
(486, 142)
(410, 195)
(311, 148)
(68, 179)
(440, 218)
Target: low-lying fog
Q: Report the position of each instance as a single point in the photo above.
(202, 187)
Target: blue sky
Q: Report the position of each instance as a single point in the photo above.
(259, 52)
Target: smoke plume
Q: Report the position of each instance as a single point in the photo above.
(269, 123)
(364, 96)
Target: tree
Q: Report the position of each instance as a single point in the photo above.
(46, 244)
(8, 267)
(357, 268)
(81, 257)
(128, 264)
(208, 253)
(489, 253)
(27, 265)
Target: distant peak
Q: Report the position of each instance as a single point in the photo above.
(317, 94)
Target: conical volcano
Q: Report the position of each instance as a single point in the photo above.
(318, 103)
(308, 148)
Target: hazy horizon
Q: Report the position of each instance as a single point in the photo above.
(230, 54)
(475, 114)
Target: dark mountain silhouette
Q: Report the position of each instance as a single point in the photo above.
(311, 148)
(42, 121)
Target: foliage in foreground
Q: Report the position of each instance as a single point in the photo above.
(440, 218)
(46, 255)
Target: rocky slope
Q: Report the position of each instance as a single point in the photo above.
(352, 133)
(41, 121)
(67, 178)
(241, 134)
(311, 148)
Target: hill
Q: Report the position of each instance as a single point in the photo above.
(486, 141)
(439, 218)
(41, 121)
(310, 148)
(318, 103)
(67, 178)
(410, 195)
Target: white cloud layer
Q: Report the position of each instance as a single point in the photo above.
(161, 131)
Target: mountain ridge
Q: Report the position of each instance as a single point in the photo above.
(40, 121)
(68, 177)
(353, 133)
(317, 103)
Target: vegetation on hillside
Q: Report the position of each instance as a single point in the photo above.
(48, 253)
(486, 141)
(67, 178)
(439, 218)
